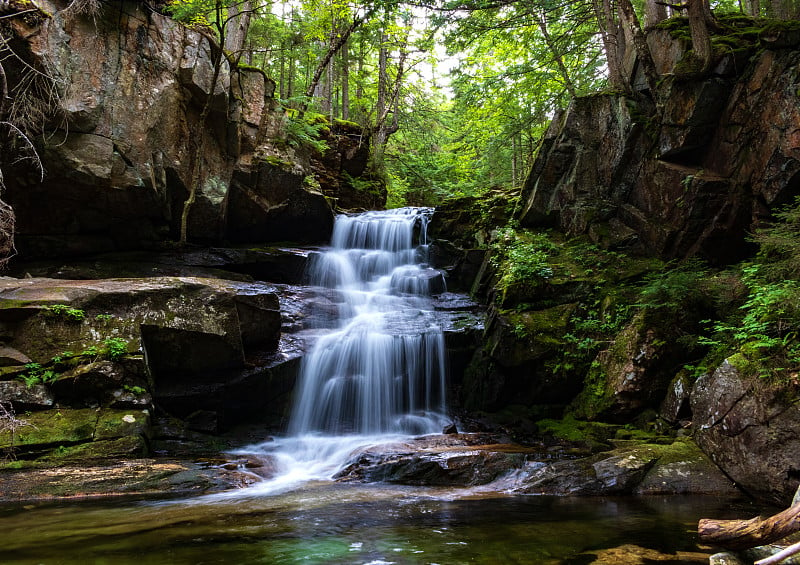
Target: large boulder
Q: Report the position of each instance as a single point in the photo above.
(748, 426)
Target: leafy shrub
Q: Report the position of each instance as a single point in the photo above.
(64, 312)
(522, 257)
(674, 289)
(35, 374)
(115, 348)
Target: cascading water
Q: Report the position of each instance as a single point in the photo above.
(378, 369)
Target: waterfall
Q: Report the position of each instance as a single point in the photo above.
(382, 369)
(376, 371)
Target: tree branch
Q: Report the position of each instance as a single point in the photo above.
(744, 534)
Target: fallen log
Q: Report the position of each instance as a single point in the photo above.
(744, 534)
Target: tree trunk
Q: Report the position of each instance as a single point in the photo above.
(654, 12)
(336, 44)
(639, 41)
(609, 34)
(562, 68)
(4, 99)
(744, 534)
(699, 14)
(345, 81)
(237, 25)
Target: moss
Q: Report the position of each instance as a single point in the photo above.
(594, 434)
(596, 395)
(54, 427)
(278, 162)
(345, 124)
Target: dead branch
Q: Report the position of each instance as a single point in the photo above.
(744, 534)
(780, 556)
(11, 424)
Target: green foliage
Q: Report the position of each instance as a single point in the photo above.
(522, 258)
(193, 12)
(115, 348)
(305, 129)
(64, 313)
(35, 374)
(779, 244)
(674, 288)
(133, 389)
(104, 317)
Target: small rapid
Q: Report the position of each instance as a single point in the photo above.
(376, 372)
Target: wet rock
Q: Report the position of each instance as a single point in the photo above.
(135, 476)
(602, 474)
(748, 428)
(450, 429)
(676, 406)
(181, 352)
(629, 554)
(452, 460)
(683, 468)
(725, 558)
(22, 397)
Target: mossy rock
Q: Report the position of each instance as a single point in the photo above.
(52, 427)
(595, 435)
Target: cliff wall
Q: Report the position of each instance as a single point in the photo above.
(120, 97)
(691, 176)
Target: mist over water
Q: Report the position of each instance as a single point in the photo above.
(377, 371)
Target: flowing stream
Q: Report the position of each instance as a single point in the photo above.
(376, 372)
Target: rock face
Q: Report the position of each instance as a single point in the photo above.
(749, 428)
(690, 180)
(680, 468)
(87, 338)
(125, 141)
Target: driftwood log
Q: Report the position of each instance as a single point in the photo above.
(744, 534)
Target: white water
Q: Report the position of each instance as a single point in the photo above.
(379, 375)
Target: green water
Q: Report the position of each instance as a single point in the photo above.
(358, 524)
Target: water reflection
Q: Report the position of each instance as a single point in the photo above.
(338, 524)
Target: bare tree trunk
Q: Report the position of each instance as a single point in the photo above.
(383, 87)
(4, 99)
(345, 81)
(562, 68)
(336, 44)
(609, 34)
(699, 14)
(238, 24)
(654, 12)
(639, 41)
(778, 9)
